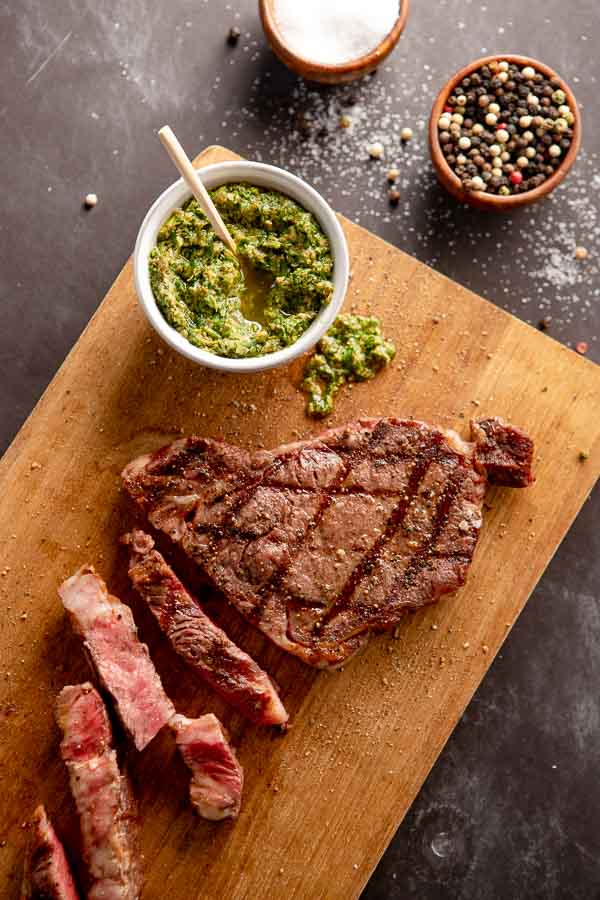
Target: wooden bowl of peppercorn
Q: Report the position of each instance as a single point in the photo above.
(312, 69)
(537, 145)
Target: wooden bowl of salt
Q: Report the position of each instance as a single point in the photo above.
(333, 41)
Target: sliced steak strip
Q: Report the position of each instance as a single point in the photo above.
(103, 796)
(323, 542)
(503, 451)
(122, 662)
(201, 643)
(47, 875)
(217, 777)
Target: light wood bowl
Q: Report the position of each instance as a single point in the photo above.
(328, 74)
(483, 200)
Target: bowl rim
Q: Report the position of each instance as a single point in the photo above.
(263, 175)
(482, 199)
(367, 61)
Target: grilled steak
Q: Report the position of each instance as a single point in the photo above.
(120, 659)
(217, 777)
(321, 542)
(47, 875)
(505, 453)
(103, 797)
(201, 643)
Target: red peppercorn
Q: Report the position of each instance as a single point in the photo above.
(516, 178)
(582, 347)
(448, 109)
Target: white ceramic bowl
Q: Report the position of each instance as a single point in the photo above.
(263, 176)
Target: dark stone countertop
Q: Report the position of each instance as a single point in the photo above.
(512, 807)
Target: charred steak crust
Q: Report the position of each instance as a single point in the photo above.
(195, 637)
(47, 875)
(321, 542)
(503, 451)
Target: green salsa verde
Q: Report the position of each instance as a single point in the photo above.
(257, 303)
(354, 349)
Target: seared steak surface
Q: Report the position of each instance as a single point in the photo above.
(321, 542)
(194, 636)
(47, 874)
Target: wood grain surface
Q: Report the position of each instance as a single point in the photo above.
(322, 802)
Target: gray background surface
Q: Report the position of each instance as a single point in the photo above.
(512, 808)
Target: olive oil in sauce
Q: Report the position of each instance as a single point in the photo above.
(257, 285)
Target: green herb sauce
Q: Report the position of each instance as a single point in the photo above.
(354, 349)
(242, 310)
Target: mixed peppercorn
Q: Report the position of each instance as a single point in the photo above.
(505, 129)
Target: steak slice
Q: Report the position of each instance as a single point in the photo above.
(47, 874)
(504, 452)
(122, 662)
(217, 777)
(105, 803)
(321, 542)
(201, 643)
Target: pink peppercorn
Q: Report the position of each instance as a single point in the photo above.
(516, 178)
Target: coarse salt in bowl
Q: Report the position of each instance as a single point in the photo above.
(264, 176)
(333, 41)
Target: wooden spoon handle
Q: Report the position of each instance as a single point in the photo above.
(192, 179)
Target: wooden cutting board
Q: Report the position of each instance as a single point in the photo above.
(322, 802)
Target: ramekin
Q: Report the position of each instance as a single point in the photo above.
(264, 176)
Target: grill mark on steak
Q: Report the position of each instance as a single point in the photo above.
(396, 520)
(282, 571)
(229, 528)
(195, 637)
(353, 457)
(441, 518)
(337, 531)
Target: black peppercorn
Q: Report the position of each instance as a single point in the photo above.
(233, 36)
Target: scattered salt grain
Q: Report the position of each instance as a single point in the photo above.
(335, 32)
